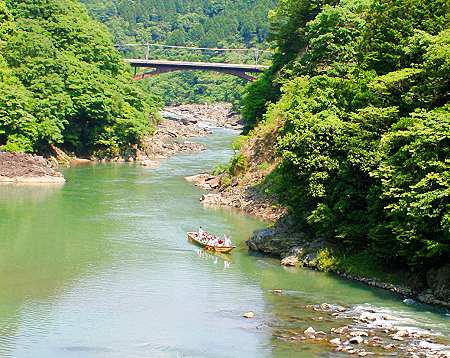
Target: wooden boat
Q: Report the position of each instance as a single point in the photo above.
(193, 236)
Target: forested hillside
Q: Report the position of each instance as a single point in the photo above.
(207, 23)
(62, 82)
(358, 98)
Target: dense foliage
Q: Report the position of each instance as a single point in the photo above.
(62, 82)
(204, 23)
(360, 90)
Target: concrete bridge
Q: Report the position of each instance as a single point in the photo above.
(163, 66)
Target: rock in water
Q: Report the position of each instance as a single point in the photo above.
(356, 340)
(336, 341)
(290, 261)
(358, 333)
(150, 163)
(249, 314)
(309, 331)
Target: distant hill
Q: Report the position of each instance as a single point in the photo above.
(205, 23)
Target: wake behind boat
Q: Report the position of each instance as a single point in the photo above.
(210, 242)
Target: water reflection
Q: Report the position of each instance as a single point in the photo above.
(215, 257)
(17, 194)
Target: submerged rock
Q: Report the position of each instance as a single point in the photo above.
(150, 163)
(359, 334)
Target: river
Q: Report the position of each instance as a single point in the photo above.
(100, 267)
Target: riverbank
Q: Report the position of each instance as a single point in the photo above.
(363, 330)
(170, 137)
(27, 168)
(246, 183)
(220, 114)
(179, 124)
(241, 183)
(295, 248)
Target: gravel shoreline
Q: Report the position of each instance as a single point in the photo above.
(181, 123)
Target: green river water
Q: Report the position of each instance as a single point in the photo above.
(100, 267)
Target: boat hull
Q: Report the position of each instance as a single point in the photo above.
(192, 236)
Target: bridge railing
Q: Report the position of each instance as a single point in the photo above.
(154, 51)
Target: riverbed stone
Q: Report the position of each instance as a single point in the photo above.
(359, 333)
(290, 261)
(356, 340)
(340, 330)
(400, 335)
(249, 314)
(336, 341)
(150, 163)
(367, 316)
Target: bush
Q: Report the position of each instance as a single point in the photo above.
(238, 164)
(325, 260)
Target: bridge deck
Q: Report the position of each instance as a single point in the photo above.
(195, 65)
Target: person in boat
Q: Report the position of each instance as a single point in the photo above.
(226, 241)
(200, 232)
(212, 241)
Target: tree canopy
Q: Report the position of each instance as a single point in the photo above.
(361, 92)
(63, 82)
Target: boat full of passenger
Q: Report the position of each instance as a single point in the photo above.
(211, 242)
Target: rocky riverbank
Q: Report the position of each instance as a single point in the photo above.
(218, 114)
(170, 137)
(295, 248)
(242, 186)
(361, 330)
(27, 168)
(245, 187)
(181, 123)
(236, 194)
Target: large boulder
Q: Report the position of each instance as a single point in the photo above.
(276, 242)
